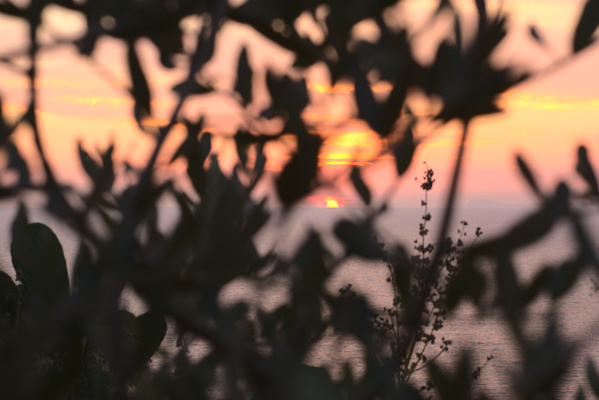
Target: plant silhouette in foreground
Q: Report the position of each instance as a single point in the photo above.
(405, 279)
(59, 342)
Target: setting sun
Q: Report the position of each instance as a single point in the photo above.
(331, 203)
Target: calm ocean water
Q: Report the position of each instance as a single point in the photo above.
(483, 335)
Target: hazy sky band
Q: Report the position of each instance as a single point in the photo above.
(545, 120)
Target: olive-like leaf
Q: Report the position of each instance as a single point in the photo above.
(289, 97)
(469, 282)
(91, 167)
(83, 270)
(587, 25)
(530, 229)
(564, 277)
(392, 108)
(352, 315)
(259, 164)
(510, 296)
(9, 295)
(196, 152)
(168, 39)
(107, 169)
(150, 329)
(404, 152)
(360, 186)
(10, 9)
(452, 386)
(297, 178)
(20, 221)
(38, 259)
(140, 90)
(244, 78)
(528, 175)
(586, 171)
(242, 145)
(358, 240)
(481, 6)
(534, 33)
(368, 109)
(5, 130)
(539, 282)
(593, 377)
(16, 162)
(539, 374)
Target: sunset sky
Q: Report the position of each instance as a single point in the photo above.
(545, 120)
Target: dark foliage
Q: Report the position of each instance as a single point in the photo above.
(75, 341)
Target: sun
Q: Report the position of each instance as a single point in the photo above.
(331, 203)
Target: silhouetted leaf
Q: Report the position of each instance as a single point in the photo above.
(297, 178)
(10, 9)
(16, 162)
(352, 315)
(83, 268)
(546, 360)
(39, 261)
(527, 174)
(205, 146)
(261, 14)
(257, 217)
(289, 98)
(457, 31)
(91, 167)
(9, 295)
(107, 169)
(195, 151)
(510, 294)
(586, 246)
(360, 186)
(168, 39)
(586, 171)
(191, 87)
(564, 277)
(368, 109)
(534, 33)
(452, 387)
(469, 283)
(150, 329)
(404, 151)
(304, 381)
(20, 222)
(304, 319)
(244, 78)
(259, 164)
(587, 25)
(392, 108)
(443, 4)
(242, 145)
(140, 90)
(101, 175)
(402, 271)
(593, 377)
(5, 130)
(530, 229)
(358, 240)
(539, 282)
(481, 7)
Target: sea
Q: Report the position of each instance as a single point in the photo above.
(482, 333)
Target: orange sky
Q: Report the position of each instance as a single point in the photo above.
(545, 119)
